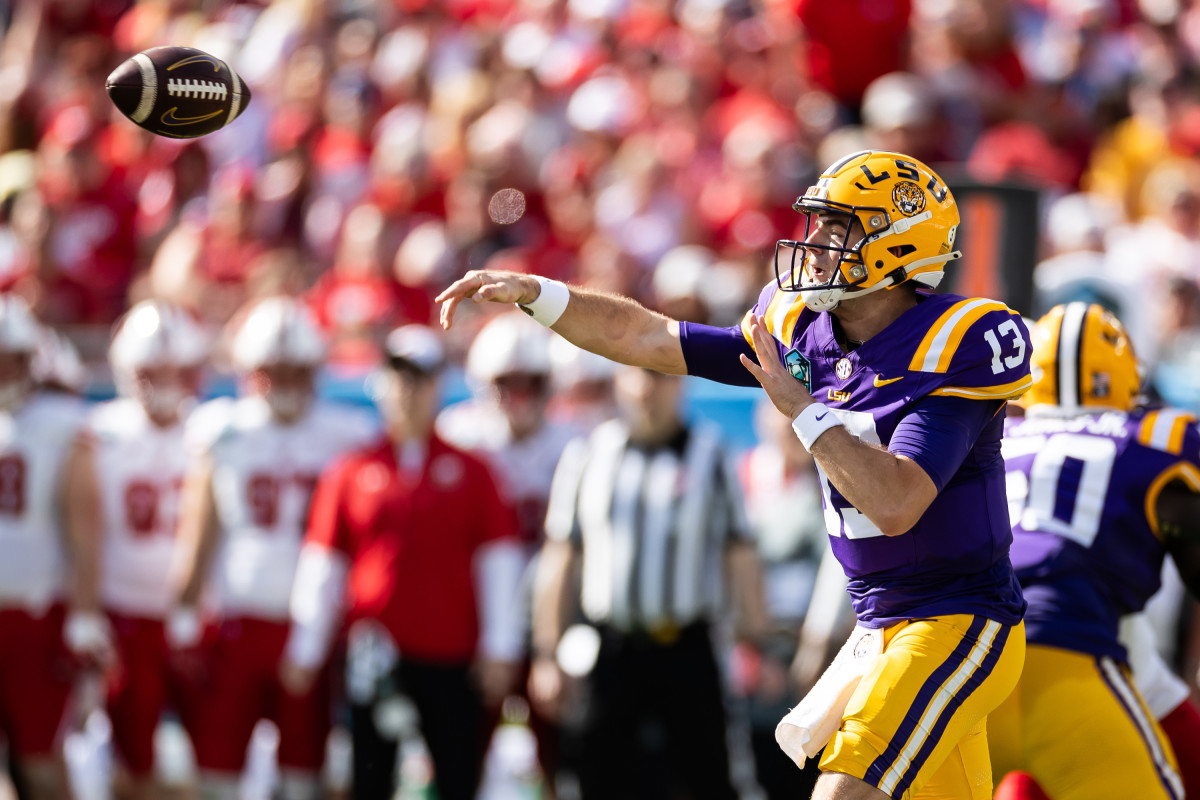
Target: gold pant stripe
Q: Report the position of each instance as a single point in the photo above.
(945, 694)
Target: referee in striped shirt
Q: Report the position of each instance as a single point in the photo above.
(646, 511)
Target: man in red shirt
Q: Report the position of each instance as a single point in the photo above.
(411, 538)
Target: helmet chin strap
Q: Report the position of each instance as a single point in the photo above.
(828, 299)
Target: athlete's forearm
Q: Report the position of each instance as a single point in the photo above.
(81, 504)
(746, 581)
(555, 566)
(607, 324)
(197, 535)
(892, 491)
(620, 329)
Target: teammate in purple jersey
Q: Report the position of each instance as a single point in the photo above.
(1099, 492)
(911, 389)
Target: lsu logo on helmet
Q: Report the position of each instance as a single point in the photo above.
(908, 198)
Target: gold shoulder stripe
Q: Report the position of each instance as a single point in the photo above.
(1004, 391)
(781, 314)
(778, 311)
(791, 317)
(923, 349)
(1164, 430)
(1175, 437)
(1180, 471)
(946, 334)
(1146, 429)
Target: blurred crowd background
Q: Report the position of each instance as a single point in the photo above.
(649, 147)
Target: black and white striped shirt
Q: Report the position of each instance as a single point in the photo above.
(652, 524)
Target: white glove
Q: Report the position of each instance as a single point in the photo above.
(88, 634)
(183, 628)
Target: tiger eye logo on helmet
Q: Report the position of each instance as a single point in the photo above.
(908, 198)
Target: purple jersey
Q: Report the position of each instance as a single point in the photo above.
(955, 559)
(1082, 492)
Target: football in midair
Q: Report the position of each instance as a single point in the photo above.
(178, 92)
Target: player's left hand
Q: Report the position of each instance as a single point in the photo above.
(787, 393)
(496, 680)
(89, 637)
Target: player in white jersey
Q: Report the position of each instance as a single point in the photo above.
(508, 367)
(45, 566)
(245, 509)
(134, 459)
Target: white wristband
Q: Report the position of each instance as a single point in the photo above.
(814, 420)
(550, 303)
(183, 628)
(86, 632)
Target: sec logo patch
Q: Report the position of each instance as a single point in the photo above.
(843, 369)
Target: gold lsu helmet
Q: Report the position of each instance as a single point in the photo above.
(1082, 360)
(900, 224)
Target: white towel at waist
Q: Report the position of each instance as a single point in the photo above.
(809, 726)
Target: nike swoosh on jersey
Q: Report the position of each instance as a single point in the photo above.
(879, 381)
(169, 118)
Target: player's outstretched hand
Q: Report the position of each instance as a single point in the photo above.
(487, 286)
(787, 393)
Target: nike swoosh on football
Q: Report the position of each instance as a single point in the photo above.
(879, 381)
(216, 64)
(174, 120)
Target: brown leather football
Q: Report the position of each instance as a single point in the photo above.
(178, 92)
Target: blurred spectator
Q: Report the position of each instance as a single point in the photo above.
(175, 188)
(900, 112)
(50, 616)
(1075, 267)
(87, 262)
(205, 262)
(1163, 249)
(242, 517)
(359, 300)
(135, 458)
(1045, 145)
(646, 509)
(1126, 154)
(413, 535)
(678, 283)
(583, 386)
(966, 49)
(509, 369)
(848, 46)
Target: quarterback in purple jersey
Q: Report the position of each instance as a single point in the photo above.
(899, 395)
(1099, 491)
